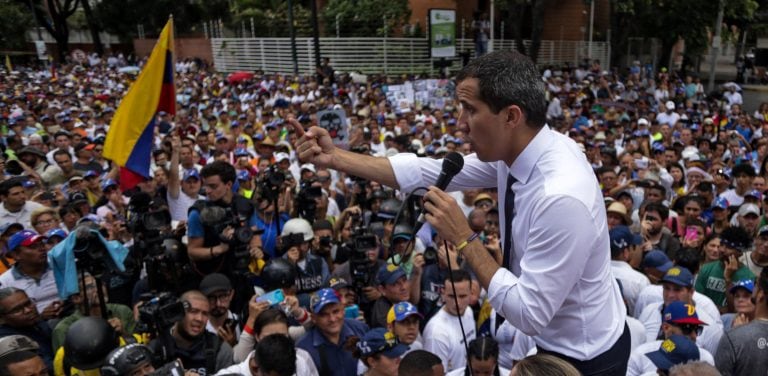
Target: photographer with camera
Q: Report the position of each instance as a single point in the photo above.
(221, 321)
(222, 224)
(274, 201)
(323, 242)
(87, 304)
(199, 350)
(312, 270)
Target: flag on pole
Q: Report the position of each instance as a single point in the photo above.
(8, 64)
(132, 130)
(54, 77)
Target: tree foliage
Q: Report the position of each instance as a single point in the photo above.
(270, 17)
(122, 17)
(668, 21)
(16, 20)
(366, 18)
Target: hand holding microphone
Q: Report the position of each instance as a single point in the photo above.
(440, 209)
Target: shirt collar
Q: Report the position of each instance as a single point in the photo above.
(17, 274)
(523, 166)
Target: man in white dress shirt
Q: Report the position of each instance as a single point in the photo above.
(557, 285)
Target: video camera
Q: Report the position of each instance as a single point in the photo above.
(158, 313)
(220, 218)
(270, 183)
(306, 200)
(90, 252)
(362, 241)
(148, 222)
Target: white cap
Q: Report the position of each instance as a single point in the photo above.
(670, 105)
(279, 157)
(642, 121)
(308, 166)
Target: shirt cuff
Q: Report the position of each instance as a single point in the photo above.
(501, 282)
(408, 177)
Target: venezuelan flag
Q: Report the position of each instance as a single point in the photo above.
(131, 133)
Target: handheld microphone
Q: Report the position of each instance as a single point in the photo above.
(452, 165)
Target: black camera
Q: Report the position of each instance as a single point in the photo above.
(291, 240)
(270, 183)
(326, 241)
(90, 252)
(160, 312)
(148, 222)
(306, 200)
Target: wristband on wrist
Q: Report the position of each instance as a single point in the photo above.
(465, 243)
(248, 329)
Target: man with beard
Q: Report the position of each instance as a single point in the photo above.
(654, 236)
(221, 321)
(199, 350)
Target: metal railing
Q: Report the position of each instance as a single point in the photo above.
(391, 56)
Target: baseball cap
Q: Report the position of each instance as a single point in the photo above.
(106, 184)
(746, 284)
(670, 105)
(678, 312)
(29, 183)
(642, 121)
(215, 282)
(338, 283)
(243, 175)
(401, 311)
(622, 237)
(677, 349)
(241, 152)
(763, 231)
(754, 193)
(749, 208)
(279, 157)
(322, 298)
(23, 238)
(720, 203)
(389, 274)
(90, 174)
(8, 226)
(481, 197)
(55, 232)
(658, 260)
(190, 174)
(381, 341)
(17, 343)
(679, 276)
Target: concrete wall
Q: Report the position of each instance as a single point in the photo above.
(184, 48)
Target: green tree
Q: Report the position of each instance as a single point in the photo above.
(365, 18)
(270, 17)
(16, 20)
(52, 15)
(669, 21)
(121, 17)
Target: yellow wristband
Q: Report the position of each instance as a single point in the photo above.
(465, 243)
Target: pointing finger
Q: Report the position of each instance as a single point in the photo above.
(296, 126)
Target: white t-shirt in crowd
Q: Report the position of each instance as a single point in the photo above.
(179, 206)
(639, 364)
(443, 338)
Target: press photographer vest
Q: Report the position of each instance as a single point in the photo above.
(221, 263)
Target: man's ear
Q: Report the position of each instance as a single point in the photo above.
(514, 115)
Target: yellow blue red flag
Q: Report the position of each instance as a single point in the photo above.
(131, 133)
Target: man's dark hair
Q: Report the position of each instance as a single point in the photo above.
(737, 236)
(13, 358)
(689, 258)
(658, 208)
(267, 317)
(61, 152)
(743, 168)
(418, 363)
(508, 78)
(224, 170)
(658, 187)
(276, 354)
(705, 186)
(8, 184)
(459, 275)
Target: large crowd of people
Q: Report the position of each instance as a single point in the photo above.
(235, 258)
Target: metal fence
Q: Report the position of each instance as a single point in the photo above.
(391, 56)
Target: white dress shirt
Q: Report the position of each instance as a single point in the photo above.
(632, 282)
(640, 364)
(709, 338)
(567, 299)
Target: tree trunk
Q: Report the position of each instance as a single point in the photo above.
(93, 27)
(537, 26)
(516, 16)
